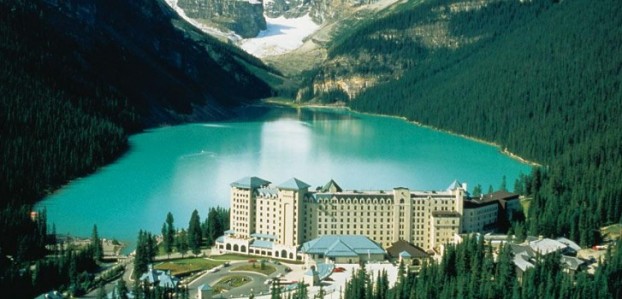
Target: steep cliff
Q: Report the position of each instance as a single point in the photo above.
(244, 17)
(321, 11)
(77, 76)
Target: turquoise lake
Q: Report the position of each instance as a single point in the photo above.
(187, 167)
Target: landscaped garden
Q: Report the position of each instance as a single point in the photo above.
(187, 266)
(230, 282)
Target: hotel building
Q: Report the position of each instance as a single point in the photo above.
(275, 220)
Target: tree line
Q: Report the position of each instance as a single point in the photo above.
(175, 240)
(470, 270)
(524, 76)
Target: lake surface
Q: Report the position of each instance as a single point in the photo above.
(187, 167)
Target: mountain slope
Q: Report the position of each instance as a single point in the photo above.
(533, 77)
(78, 75)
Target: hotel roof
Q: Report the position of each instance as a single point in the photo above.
(341, 246)
(401, 246)
(331, 186)
(294, 184)
(454, 185)
(250, 182)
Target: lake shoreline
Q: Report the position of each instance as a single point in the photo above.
(341, 105)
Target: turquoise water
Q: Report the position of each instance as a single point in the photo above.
(187, 167)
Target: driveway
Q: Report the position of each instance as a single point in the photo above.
(257, 285)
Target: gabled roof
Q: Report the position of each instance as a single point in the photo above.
(546, 246)
(294, 184)
(571, 263)
(574, 246)
(454, 185)
(250, 182)
(400, 246)
(331, 187)
(162, 278)
(405, 254)
(500, 195)
(520, 260)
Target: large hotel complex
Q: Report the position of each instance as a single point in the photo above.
(286, 220)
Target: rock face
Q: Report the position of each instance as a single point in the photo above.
(244, 17)
(321, 11)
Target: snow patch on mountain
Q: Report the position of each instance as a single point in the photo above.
(283, 35)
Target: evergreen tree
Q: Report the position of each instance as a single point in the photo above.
(194, 233)
(96, 245)
(145, 253)
(168, 234)
(181, 242)
(301, 291)
(503, 186)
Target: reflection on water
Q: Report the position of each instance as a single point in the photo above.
(182, 168)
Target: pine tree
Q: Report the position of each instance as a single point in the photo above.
(181, 243)
(301, 291)
(503, 186)
(477, 190)
(168, 234)
(96, 245)
(194, 233)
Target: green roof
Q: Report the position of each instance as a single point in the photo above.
(340, 246)
(294, 184)
(331, 186)
(250, 182)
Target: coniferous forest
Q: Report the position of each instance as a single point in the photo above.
(542, 79)
(469, 270)
(76, 78)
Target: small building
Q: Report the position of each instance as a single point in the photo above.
(341, 249)
(572, 265)
(160, 278)
(545, 246)
(408, 253)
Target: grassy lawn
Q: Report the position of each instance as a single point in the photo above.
(186, 266)
(230, 282)
(267, 269)
(231, 257)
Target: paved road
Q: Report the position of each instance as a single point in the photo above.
(111, 285)
(257, 285)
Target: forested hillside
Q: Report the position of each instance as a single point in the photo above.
(77, 76)
(542, 79)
